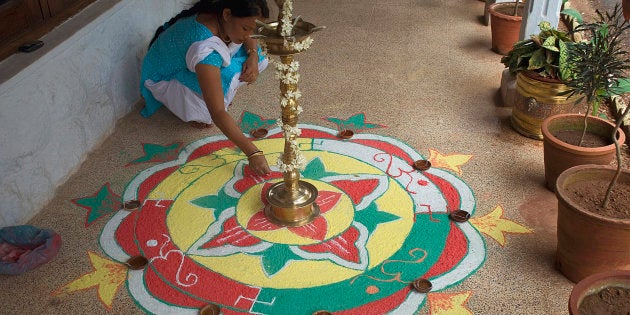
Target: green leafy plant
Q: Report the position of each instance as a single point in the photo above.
(598, 71)
(544, 53)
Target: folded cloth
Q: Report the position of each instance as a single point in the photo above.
(26, 247)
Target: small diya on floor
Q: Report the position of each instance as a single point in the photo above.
(210, 309)
(459, 216)
(259, 133)
(137, 262)
(132, 205)
(346, 134)
(422, 285)
(422, 165)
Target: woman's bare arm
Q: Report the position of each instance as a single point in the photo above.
(210, 82)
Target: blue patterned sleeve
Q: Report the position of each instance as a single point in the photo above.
(213, 59)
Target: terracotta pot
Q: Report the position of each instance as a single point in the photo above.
(536, 99)
(560, 156)
(595, 283)
(589, 243)
(504, 26)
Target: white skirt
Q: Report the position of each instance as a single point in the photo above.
(187, 104)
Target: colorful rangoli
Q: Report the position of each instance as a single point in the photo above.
(383, 224)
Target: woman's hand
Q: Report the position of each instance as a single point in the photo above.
(258, 164)
(210, 82)
(249, 73)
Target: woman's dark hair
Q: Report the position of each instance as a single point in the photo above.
(239, 8)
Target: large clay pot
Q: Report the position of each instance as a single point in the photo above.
(595, 283)
(505, 27)
(536, 99)
(559, 156)
(589, 243)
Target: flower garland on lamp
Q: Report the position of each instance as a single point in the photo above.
(291, 202)
(288, 26)
(288, 74)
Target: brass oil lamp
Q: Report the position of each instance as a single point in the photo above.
(291, 202)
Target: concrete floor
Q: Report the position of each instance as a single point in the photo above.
(424, 69)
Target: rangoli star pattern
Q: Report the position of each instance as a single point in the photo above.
(251, 121)
(106, 277)
(495, 225)
(382, 225)
(100, 204)
(355, 123)
(158, 153)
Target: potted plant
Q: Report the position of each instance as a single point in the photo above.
(596, 72)
(602, 293)
(540, 66)
(505, 25)
(593, 213)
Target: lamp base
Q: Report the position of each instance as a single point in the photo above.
(286, 210)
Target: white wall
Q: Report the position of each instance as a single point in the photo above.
(62, 101)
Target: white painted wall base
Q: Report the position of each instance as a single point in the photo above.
(538, 11)
(60, 102)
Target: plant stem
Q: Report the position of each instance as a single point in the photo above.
(516, 7)
(618, 152)
(588, 110)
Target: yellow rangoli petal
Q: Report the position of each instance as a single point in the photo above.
(449, 304)
(451, 162)
(494, 225)
(107, 277)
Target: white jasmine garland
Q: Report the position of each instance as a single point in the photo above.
(290, 78)
(294, 94)
(287, 28)
(292, 142)
(290, 135)
(288, 73)
(287, 14)
(283, 167)
(290, 130)
(303, 45)
(298, 46)
(284, 102)
(299, 163)
(294, 66)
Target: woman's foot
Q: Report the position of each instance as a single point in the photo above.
(200, 125)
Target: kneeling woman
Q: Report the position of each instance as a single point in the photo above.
(198, 59)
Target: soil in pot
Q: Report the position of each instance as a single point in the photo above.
(590, 140)
(589, 194)
(508, 9)
(561, 154)
(610, 300)
(589, 243)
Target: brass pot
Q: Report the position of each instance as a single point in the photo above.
(536, 99)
